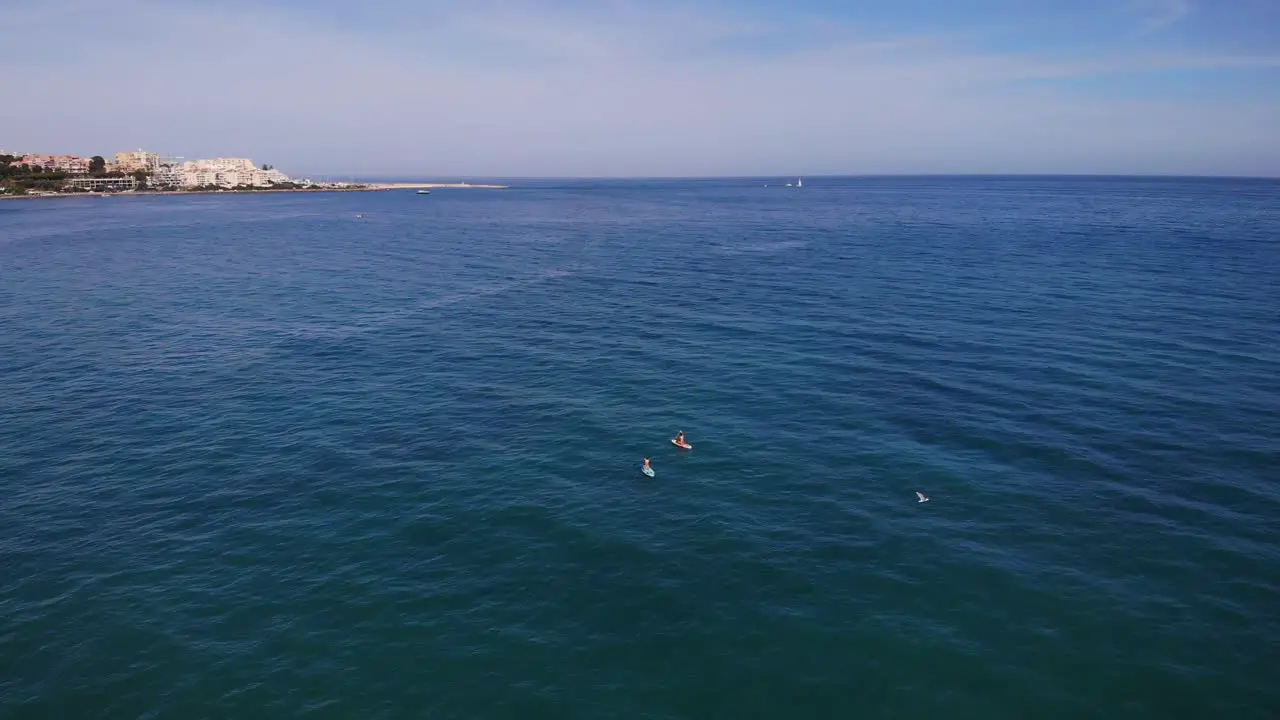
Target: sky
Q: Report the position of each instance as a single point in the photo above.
(437, 89)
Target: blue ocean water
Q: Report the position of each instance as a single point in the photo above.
(377, 455)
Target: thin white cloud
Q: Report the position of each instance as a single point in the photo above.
(497, 89)
(1158, 15)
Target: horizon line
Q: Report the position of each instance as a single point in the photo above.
(838, 176)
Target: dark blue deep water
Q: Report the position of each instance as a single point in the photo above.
(263, 458)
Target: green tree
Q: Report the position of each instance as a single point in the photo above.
(97, 165)
(141, 177)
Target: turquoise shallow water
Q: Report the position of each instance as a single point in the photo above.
(261, 457)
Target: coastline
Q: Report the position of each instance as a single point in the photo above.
(432, 186)
(372, 187)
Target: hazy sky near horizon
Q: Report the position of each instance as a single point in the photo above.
(432, 88)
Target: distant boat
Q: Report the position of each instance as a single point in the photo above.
(799, 183)
(424, 192)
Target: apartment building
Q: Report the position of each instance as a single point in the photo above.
(221, 165)
(199, 178)
(131, 161)
(72, 164)
(229, 172)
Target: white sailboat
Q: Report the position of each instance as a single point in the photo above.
(799, 182)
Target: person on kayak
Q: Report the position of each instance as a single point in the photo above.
(680, 438)
(646, 464)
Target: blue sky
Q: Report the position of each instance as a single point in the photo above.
(430, 88)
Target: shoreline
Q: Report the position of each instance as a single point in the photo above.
(432, 186)
(372, 187)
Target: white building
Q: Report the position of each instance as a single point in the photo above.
(218, 164)
(166, 176)
(199, 178)
(99, 184)
(228, 173)
(269, 177)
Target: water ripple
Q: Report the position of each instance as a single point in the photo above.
(262, 457)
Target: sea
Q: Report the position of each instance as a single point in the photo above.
(377, 455)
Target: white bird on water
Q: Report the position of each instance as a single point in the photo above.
(921, 496)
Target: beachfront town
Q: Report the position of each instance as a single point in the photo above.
(37, 173)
